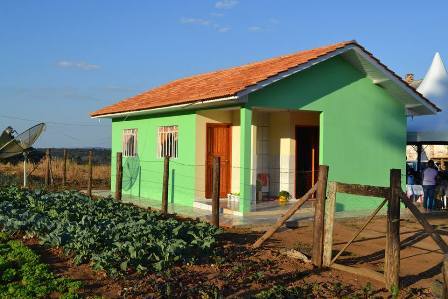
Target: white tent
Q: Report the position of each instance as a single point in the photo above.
(432, 129)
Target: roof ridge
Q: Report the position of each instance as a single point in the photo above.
(343, 44)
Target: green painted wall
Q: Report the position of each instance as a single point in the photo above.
(363, 129)
(148, 181)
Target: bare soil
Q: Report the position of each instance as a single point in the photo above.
(237, 271)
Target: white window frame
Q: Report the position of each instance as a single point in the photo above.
(129, 149)
(171, 145)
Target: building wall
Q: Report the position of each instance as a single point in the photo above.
(148, 183)
(363, 129)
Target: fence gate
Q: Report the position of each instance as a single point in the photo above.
(392, 196)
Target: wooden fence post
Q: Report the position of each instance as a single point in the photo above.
(119, 176)
(47, 170)
(392, 253)
(216, 190)
(166, 174)
(89, 182)
(64, 169)
(319, 212)
(330, 207)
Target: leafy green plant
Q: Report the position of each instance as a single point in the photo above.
(277, 291)
(367, 290)
(284, 194)
(317, 290)
(112, 236)
(22, 275)
(256, 276)
(394, 291)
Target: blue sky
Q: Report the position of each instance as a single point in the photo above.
(61, 60)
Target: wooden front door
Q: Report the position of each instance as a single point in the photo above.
(218, 144)
(307, 158)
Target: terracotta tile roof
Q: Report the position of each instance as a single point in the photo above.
(218, 84)
(215, 84)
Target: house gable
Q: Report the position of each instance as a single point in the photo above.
(358, 119)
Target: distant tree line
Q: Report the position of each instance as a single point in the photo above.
(79, 155)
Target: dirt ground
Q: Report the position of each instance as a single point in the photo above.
(237, 271)
(420, 257)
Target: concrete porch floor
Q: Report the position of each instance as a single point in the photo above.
(263, 215)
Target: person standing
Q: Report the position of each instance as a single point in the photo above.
(429, 185)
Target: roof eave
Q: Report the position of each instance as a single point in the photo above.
(427, 105)
(171, 108)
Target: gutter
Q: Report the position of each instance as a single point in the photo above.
(192, 105)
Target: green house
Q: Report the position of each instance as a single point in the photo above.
(272, 123)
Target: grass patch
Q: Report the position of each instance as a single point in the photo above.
(22, 275)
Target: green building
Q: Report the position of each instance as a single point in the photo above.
(272, 123)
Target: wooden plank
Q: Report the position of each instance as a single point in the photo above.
(424, 222)
(166, 170)
(285, 217)
(359, 231)
(89, 181)
(119, 176)
(330, 206)
(216, 190)
(319, 213)
(445, 276)
(363, 190)
(392, 254)
(360, 271)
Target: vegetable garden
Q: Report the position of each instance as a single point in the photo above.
(115, 237)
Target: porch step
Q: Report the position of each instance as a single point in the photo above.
(208, 207)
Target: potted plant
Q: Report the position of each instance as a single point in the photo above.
(283, 196)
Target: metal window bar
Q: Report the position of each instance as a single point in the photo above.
(167, 141)
(129, 142)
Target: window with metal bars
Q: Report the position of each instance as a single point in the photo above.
(129, 142)
(167, 137)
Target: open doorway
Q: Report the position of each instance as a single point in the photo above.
(307, 158)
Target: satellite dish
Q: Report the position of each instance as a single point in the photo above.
(131, 170)
(11, 146)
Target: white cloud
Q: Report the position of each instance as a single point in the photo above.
(77, 65)
(204, 22)
(255, 29)
(223, 29)
(267, 27)
(195, 21)
(216, 14)
(226, 4)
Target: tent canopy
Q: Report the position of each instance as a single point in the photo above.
(432, 129)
